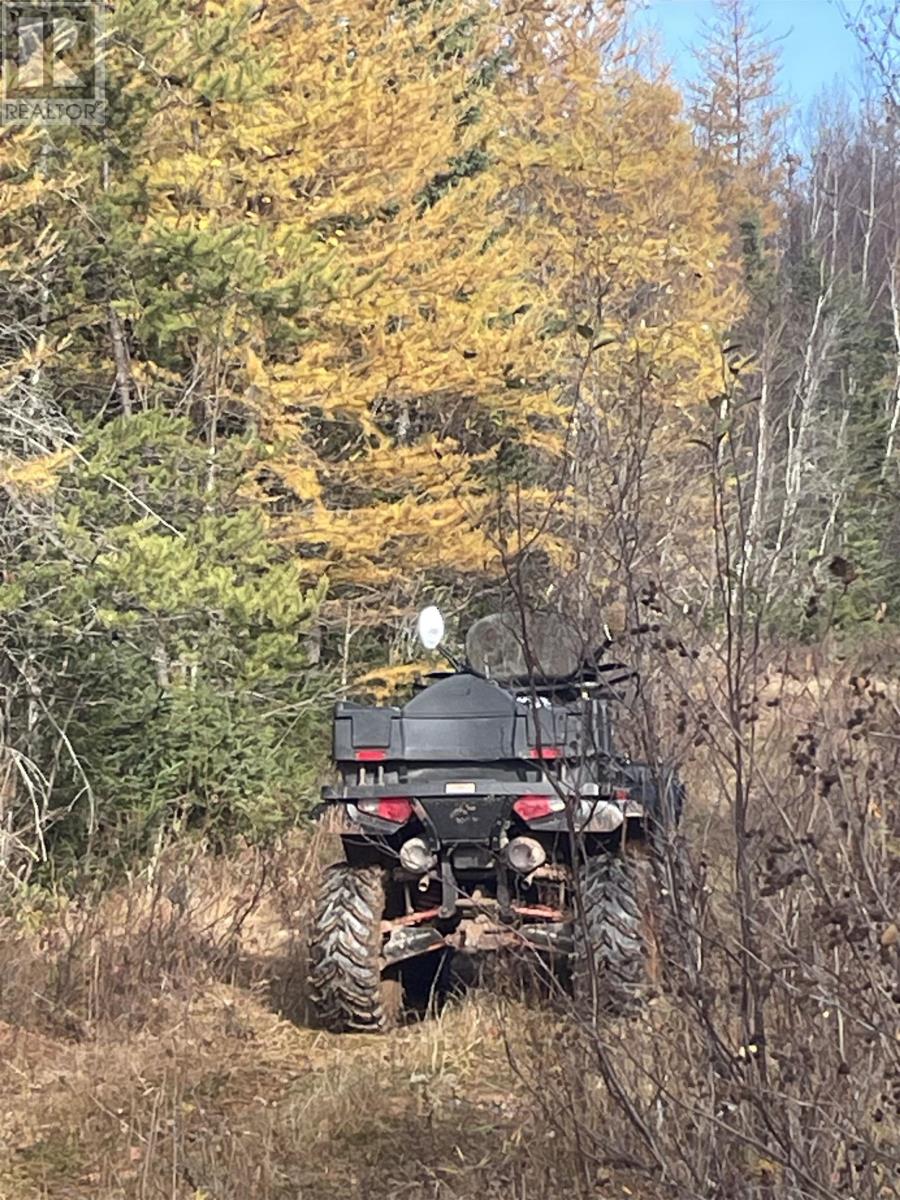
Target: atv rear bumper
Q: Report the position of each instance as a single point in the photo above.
(595, 810)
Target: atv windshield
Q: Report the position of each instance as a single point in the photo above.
(500, 648)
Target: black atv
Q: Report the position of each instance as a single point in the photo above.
(489, 811)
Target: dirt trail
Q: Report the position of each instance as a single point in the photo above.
(153, 1047)
(221, 1098)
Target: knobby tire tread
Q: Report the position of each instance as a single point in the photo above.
(609, 968)
(345, 979)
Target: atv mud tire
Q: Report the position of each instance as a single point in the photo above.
(348, 990)
(610, 954)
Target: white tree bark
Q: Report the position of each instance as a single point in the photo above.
(889, 450)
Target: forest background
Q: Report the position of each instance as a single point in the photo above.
(354, 306)
(343, 311)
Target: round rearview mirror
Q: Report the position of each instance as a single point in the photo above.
(431, 627)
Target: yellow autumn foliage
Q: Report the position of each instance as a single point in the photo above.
(385, 682)
(442, 241)
(34, 475)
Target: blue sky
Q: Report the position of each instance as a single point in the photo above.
(816, 49)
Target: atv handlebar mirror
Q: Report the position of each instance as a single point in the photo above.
(430, 627)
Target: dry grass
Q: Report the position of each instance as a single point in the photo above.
(154, 1043)
(153, 1047)
(229, 1100)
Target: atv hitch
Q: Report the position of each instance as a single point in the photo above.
(450, 891)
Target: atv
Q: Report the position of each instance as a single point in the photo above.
(490, 811)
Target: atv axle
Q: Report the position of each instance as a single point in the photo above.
(540, 911)
(473, 936)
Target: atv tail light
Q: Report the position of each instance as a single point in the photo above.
(545, 752)
(371, 755)
(530, 808)
(390, 808)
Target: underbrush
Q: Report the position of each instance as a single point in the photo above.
(156, 1045)
(155, 1039)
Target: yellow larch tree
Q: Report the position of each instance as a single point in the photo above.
(431, 345)
(737, 113)
(628, 232)
(503, 255)
(416, 246)
(379, 316)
